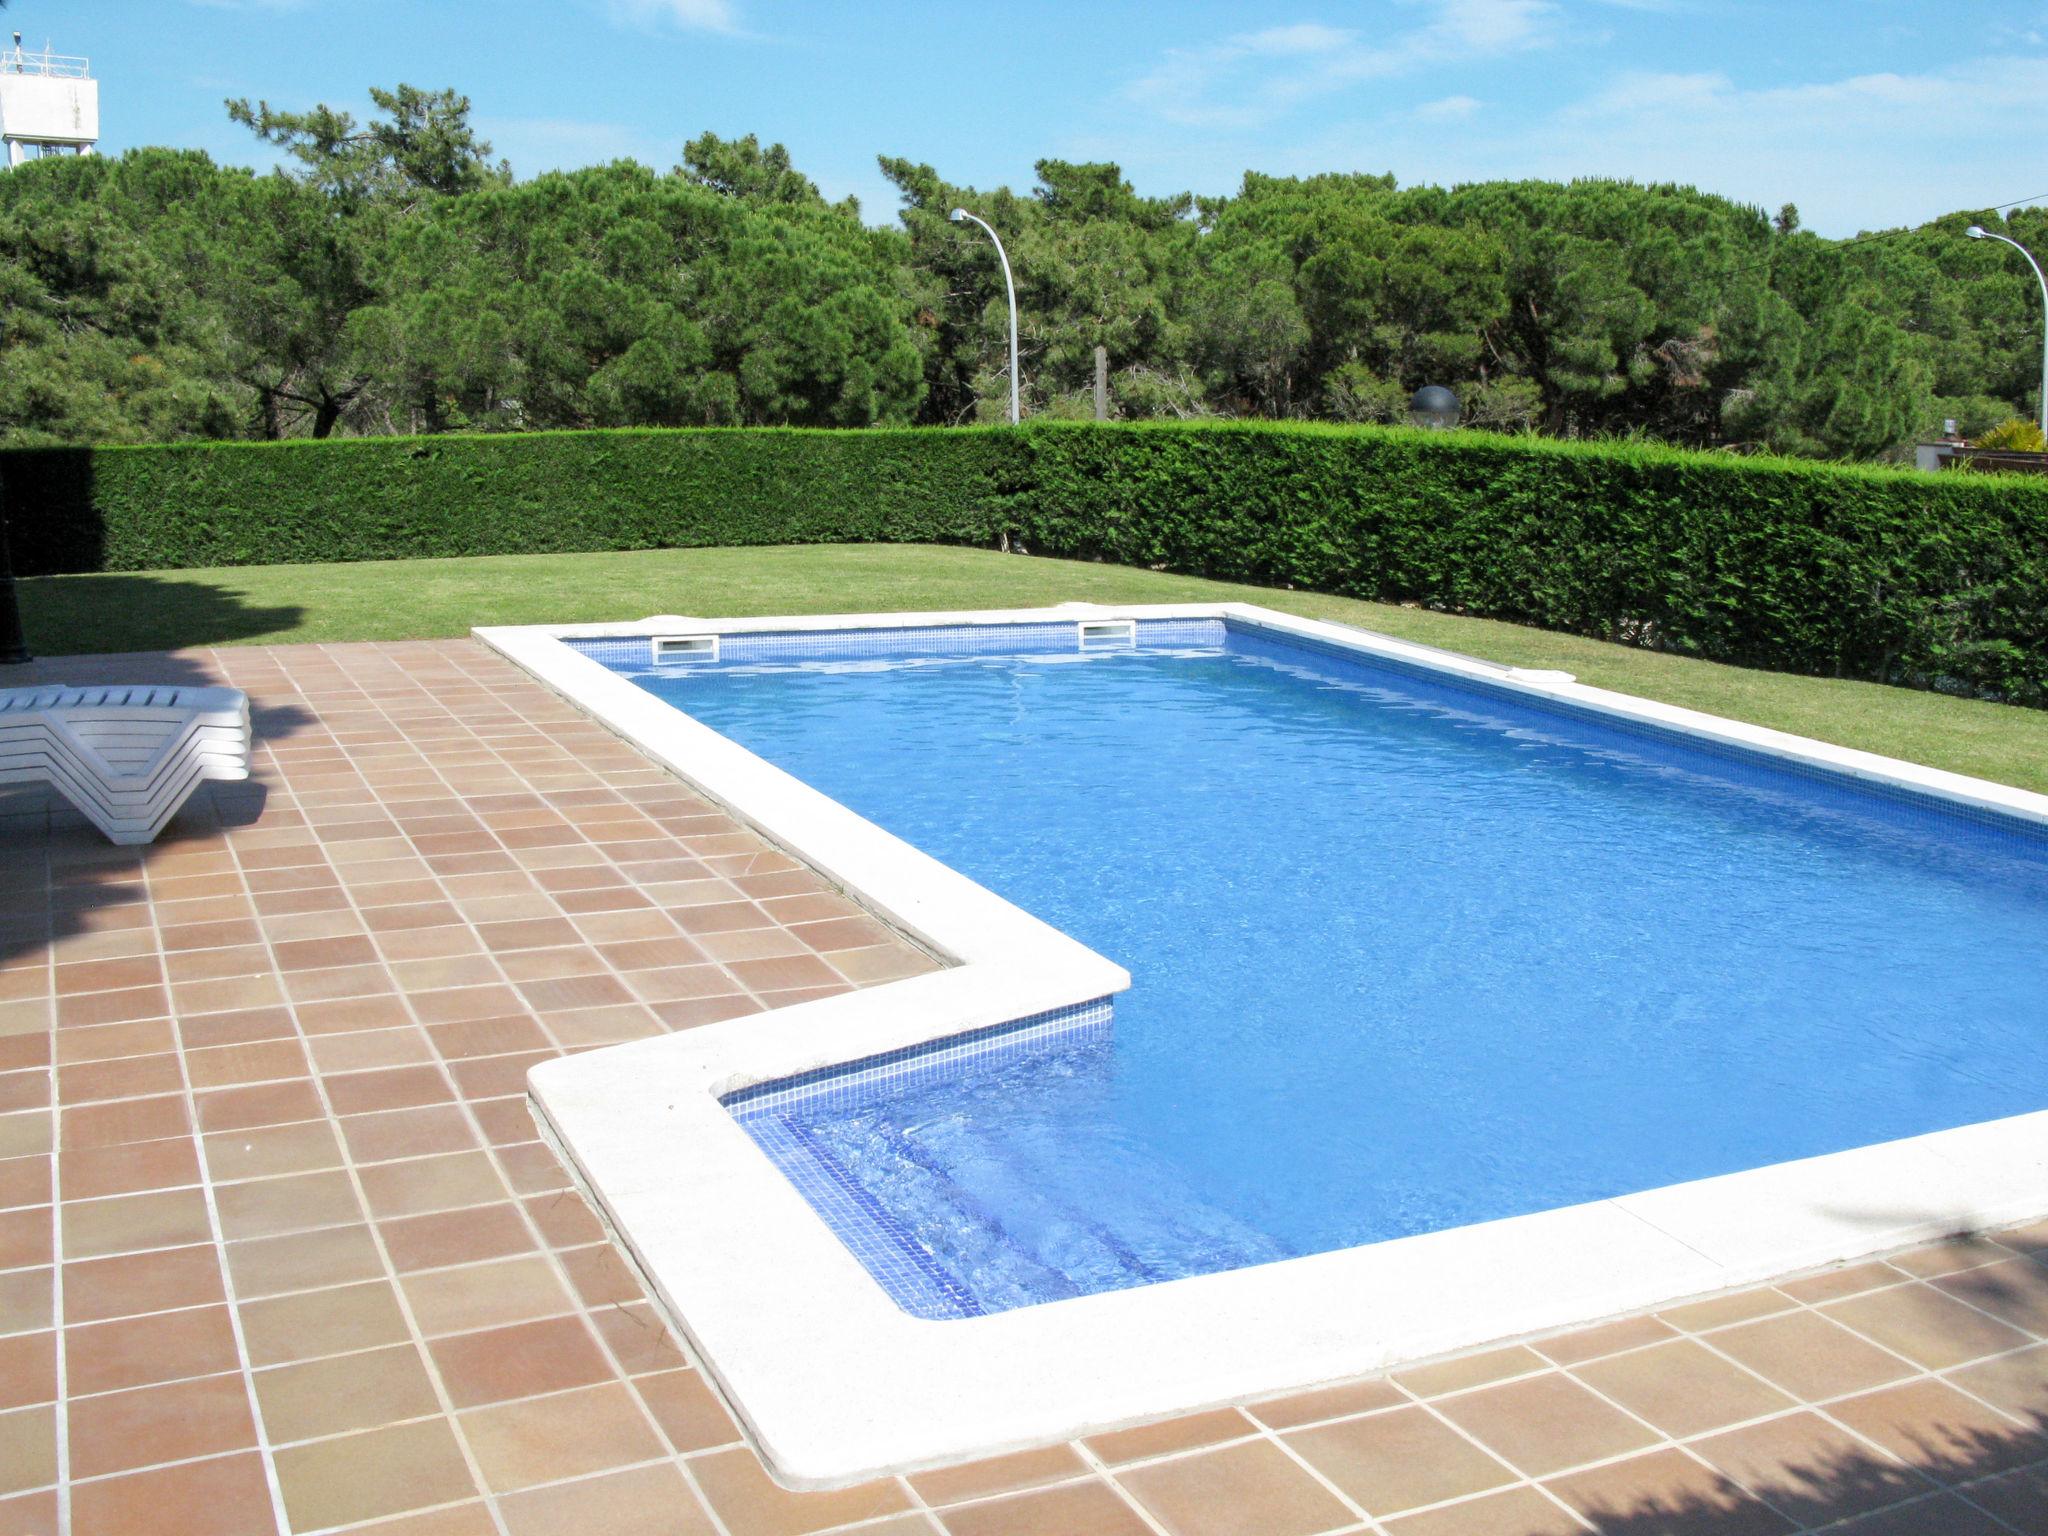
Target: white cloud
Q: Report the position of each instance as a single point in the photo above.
(536, 144)
(1856, 153)
(1861, 152)
(1642, 95)
(1448, 108)
(1255, 77)
(1303, 37)
(1478, 28)
(692, 15)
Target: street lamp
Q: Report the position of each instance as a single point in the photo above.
(957, 216)
(1979, 232)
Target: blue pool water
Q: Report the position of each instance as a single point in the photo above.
(1406, 954)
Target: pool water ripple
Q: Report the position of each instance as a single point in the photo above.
(1405, 954)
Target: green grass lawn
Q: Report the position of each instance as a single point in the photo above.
(413, 599)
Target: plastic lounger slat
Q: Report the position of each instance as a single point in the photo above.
(125, 757)
(177, 783)
(58, 737)
(122, 768)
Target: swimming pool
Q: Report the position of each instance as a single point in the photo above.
(1467, 1002)
(1406, 953)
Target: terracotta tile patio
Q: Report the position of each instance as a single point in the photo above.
(279, 1249)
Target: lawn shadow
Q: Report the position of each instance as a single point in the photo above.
(97, 614)
(72, 606)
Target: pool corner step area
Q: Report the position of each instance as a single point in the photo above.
(786, 1314)
(1023, 1233)
(774, 1115)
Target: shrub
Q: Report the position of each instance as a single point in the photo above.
(1937, 580)
(2016, 434)
(393, 498)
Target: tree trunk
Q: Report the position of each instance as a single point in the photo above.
(269, 417)
(432, 419)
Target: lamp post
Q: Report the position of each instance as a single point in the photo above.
(13, 648)
(957, 216)
(1979, 232)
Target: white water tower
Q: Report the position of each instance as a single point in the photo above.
(49, 104)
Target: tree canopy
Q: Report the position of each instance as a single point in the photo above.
(394, 277)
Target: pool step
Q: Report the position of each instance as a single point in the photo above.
(1014, 1229)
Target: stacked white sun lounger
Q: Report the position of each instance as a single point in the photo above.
(127, 757)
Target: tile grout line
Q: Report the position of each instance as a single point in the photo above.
(1915, 1373)
(1518, 1478)
(1686, 1445)
(1800, 1403)
(682, 1461)
(1963, 1492)
(544, 1247)
(1921, 1374)
(1329, 1485)
(552, 1255)
(1103, 1471)
(265, 1455)
(399, 1297)
(1251, 1434)
(268, 1178)
(916, 1501)
(376, 1522)
(1084, 1475)
(60, 1410)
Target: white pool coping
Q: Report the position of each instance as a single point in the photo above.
(835, 1383)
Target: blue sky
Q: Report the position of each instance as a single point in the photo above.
(1865, 113)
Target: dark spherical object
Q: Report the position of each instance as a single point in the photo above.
(1433, 406)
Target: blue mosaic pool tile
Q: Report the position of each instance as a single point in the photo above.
(772, 1115)
(915, 1280)
(845, 1085)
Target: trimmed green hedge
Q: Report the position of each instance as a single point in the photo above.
(1890, 575)
(394, 498)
